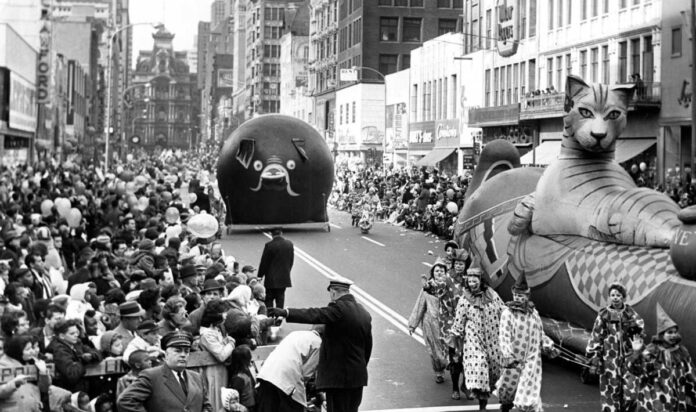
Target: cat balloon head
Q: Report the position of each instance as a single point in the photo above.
(596, 114)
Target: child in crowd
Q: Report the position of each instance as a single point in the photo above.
(139, 360)
(242, 379)
(230, 401)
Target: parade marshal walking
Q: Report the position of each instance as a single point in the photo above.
(276, 263)
(345, 349)
(169, 387)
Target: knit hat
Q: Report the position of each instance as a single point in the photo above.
(664, 322)
(521, 284)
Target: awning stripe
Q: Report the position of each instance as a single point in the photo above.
(435, 156)
(548, 151)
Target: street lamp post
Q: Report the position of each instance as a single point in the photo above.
(107, 116)
(384, 138)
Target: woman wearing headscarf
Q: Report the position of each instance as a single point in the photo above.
(522, 339)
(664, 370)
(425, 313)
(608, 347)
(78, 304)
(477, 321)
(23, 394)
(218, 344)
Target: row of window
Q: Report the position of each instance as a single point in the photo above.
(351, 34)
(441, 4)
(438, 99)
(479, 22)
(349, 118)
(326, 16)
(509, 83)
(389, 63)
(410, 29)
(347, 7)
(326, 46)
(273, 13)
(561, 11)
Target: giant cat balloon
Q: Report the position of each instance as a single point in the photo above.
(275, 169)
(581, 224)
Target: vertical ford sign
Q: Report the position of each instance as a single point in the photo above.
(507, 37)
(43, 63)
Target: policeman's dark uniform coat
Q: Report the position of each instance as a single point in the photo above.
(276, 263)
(345, 350)
(158, 390)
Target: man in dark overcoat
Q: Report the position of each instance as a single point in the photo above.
(276, 263)
(345, 349)
(169, 387)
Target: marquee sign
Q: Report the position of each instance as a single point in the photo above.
(507, 28)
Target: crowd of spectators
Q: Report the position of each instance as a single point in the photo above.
(416, 198)
(97, 266)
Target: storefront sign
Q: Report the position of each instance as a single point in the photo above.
(397, 126)
(507, 28)
(43, 64)
(22, 104)
(447, 133)
(225, 78)
(421, 135)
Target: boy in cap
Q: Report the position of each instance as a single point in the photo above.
(147, 339)
(169, 387)
(521, 341)
(138, 361)
(345, 349)
(663, 369)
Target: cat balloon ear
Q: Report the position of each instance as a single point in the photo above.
(624, 92)
(574, 85)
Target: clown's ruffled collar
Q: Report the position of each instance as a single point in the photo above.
(523, 307)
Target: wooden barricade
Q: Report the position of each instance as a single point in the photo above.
(115, 366)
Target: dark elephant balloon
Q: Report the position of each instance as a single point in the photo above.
(275, 169)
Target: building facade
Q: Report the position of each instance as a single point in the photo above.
(294, 99)
(524, 69)
(168, 95)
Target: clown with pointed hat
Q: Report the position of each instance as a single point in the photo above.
(663, 369)
(522, 339)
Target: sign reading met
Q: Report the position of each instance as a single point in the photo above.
(507, 37)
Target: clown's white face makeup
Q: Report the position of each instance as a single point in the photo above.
(474, 283)
(459, 266)
(439, 273)
(672, 336)
(616, 299)
(520, 297)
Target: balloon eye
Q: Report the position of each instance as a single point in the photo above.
(258, 165)
(613, 115)
(291, 164)
(585, 113)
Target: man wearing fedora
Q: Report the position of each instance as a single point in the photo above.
(276, 263)
(169, 387)
(189, 280)
(131, 315)
(346, 346)
(212, 290)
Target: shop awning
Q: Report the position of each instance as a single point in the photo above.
(546, 152)
(436, 155)
(625, 149)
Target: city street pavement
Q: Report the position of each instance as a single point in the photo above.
(386, 265)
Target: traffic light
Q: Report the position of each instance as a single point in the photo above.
(477, 148)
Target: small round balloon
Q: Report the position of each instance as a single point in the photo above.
(143, 203)
(79, 187)
(46, 207)
(63, 206)
(130, 188)
(450, 194)
(172, 231)
(74, 217)
(119, 169)
(642, 166)
(634, 168)
(171, 215)
(452, 208)
(192, 198)
(166, 196)
(132, 201)
(203, 225)
(121, 188)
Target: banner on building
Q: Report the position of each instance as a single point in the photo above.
(397, 127)
(23, 109)
(348, 75)
(225, 78)
(507, 28)
(43, 64)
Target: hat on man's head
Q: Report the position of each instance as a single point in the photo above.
(248, 268)
(177, 338)
(146, 244)
(137, 275)
(148, 284)
(130, 309)
(187, 271)
(341, 283)
(148, 326)
(211, 284)
(151, 233)
(664, 322)
(521, 284)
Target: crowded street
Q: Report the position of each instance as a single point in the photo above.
(386, 266)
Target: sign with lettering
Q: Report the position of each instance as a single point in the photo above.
(22, 104)
(43, 64)
(507, 37)
(225, 78)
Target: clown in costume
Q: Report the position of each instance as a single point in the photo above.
(663, 369)
(425, 313)
(521, 340)
(609, 346)
(477, 321)
(449, 291)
